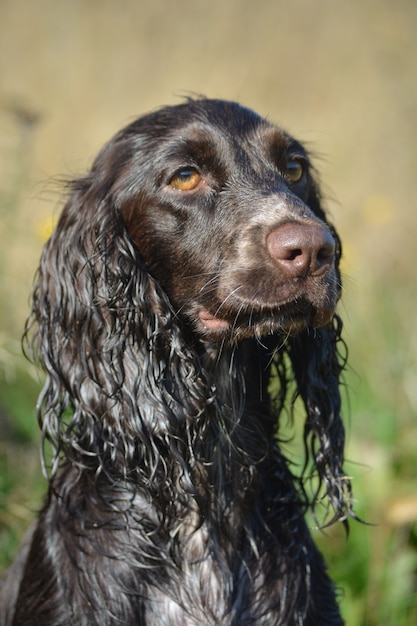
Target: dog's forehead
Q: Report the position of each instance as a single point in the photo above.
(227, 138)
(210, 133)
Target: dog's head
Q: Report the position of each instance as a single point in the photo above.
(224, 209)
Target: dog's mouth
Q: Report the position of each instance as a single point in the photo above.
(289, 319)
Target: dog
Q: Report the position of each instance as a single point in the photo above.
(188, 291)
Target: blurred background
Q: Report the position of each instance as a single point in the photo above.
(341, 77)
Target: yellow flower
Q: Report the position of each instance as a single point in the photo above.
(45, 228)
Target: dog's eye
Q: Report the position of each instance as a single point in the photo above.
(186, 179)
(294, 170)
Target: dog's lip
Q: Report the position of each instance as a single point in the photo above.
(298, 315)
(211, 322)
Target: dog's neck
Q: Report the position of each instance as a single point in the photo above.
(239, 370)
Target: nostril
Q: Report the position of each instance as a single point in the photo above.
(301, 249)
(326, 252)
(328, 248)
(293, 254)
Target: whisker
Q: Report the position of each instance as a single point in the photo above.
(230, 295)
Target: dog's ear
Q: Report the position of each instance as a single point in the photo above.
(105, 334)
(318, 362)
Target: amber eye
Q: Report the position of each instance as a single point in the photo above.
(294, 170)
(186, 179)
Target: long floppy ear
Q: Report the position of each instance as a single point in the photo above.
(98, 320)
(318, 358)
(317, 365)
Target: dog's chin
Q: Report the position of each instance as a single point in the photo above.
(286, 321)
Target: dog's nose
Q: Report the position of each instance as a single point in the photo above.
(300, 250)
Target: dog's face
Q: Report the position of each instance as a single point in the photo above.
(223, 208)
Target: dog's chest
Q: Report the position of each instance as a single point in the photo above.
(197, 591)
(212, 585)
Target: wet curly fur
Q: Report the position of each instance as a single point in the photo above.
(171, 324)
